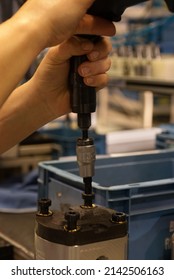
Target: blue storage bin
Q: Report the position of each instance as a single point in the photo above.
(140, 185)
(165, 139)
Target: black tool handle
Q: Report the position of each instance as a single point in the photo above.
(82, 97)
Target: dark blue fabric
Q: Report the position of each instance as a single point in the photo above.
(16, 195)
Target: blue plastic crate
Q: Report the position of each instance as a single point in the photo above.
(141, 185)
(165, 139)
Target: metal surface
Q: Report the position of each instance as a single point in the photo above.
(143, 84)
(86, 160)
(115, 249)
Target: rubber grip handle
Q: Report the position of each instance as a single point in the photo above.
(82, 97)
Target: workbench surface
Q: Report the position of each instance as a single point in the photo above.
(18, 230)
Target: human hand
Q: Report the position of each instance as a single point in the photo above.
(50, 81)
(57, 20)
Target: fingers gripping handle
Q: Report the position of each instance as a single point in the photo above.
(82, 97)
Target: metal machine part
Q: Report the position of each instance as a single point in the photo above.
(81, 234)
(85, 150)
(114, 249)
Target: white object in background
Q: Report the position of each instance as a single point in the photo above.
(131, 140)
(163, 68)
(117, 63)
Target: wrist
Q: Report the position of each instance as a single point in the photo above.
(30, 26)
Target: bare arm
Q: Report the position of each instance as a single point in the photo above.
(39, 24)
(18, 48)
(46, 96)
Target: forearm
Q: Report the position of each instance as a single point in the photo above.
(23, 113)
(39, 24)
(19, 46)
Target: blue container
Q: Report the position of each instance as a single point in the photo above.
(141, 185)
(165, 139)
